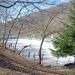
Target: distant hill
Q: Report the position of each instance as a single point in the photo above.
(34, 23)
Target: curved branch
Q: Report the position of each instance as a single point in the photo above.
(16, 3)
(13, 25)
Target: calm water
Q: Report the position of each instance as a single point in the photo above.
(32, 51)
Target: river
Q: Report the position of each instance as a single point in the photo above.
(31, 52)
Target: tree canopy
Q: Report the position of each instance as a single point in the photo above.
(65, 44)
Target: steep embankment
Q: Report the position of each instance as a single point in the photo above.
(11, 72)
(21, 64)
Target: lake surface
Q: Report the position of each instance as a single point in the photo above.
(31, 52)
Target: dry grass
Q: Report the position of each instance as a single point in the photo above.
(11, 72)
(23, 65)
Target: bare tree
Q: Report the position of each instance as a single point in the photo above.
(44, 29)
(45, 34)
(9, 4)
(13, 25)
(4, 36)
(18, 35)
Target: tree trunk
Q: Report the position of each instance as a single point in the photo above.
(12, 25)
(18, 37)
(40, 58)
(74, 58)
(5, 30)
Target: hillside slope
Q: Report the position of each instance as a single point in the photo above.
(35, 23)
(23, 65)
(11, 72)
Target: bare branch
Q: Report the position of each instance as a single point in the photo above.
(5, 27)
(19, 3)
(24, 48)
(13, 25)
(18, 36)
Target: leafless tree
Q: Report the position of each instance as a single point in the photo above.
(24, 4)
(7, 4)
(18, 35)
(45, 32)
(6, 15)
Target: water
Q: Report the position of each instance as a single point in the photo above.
(32, 52)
